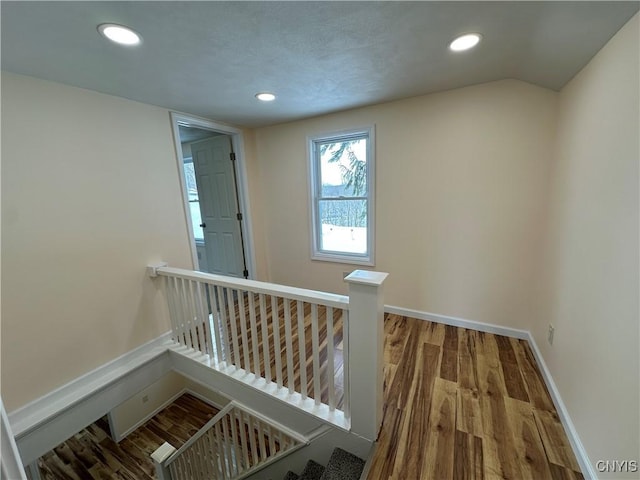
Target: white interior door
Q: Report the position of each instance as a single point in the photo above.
(218, 205)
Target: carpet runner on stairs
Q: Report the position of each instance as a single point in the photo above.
(342, 466)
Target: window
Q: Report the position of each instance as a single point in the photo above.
(342, 193)
(194, 201)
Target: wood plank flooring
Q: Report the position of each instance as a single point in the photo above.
(92, 455)
(461, 404)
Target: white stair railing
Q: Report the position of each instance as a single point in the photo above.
(234, 444)
(289, 336)
(302, 346)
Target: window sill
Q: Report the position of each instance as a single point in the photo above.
(337, 258)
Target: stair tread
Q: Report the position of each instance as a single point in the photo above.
(312, 471)
(343, 466)
(291, 476)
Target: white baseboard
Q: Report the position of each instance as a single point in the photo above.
(572, 434)
(206, 400)
(458, 322)
(55, 406)
(578, 448)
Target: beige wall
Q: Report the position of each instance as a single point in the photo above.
(90, 196)
(256, 185)
(462, 181)
(131, 412)
(593, 258)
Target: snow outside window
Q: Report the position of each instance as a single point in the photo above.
(342, 184)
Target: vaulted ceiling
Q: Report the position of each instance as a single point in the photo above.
(211, 58)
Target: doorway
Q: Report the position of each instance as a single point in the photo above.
(213, 182)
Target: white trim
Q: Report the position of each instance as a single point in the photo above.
(10, 462)
(369, 462)
(204, 399)
(33, 471)
(576, 444)
(49, 420)
(574, 439)
(237, 140)
(366, 277)
(54, 406)
(62, 398)
(458, 322)
(312, 173)
(255, 286)
(184, 359)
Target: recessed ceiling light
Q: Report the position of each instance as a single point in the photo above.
(119, 34)
(465, 42)
(265, 96)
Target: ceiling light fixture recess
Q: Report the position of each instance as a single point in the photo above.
(119, 34)
(265, 97)
(465, 42)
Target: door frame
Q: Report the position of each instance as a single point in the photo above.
(237, 140)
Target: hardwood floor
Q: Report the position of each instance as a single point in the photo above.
(92, 455)
(461, 404)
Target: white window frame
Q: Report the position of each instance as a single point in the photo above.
(313, 155)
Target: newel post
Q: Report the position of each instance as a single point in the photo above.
(366, 342)
(163, 452)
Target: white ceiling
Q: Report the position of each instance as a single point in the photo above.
(210, 58)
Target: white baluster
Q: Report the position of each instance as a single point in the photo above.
(255, 342)
(265, 338)
(222, 452)
(331, 375)
(204, 335)
(261, 442)
(185, 306)
(315, 345)
(233, 321)
(243, 329)
(252, 440)
(215, 320)
(346, 390)
(289, 345)
(192, 315)
(302, 346)
(222, 304)
(275, 322)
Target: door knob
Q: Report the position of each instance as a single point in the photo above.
(203, 225)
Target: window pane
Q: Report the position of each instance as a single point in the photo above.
(343, 168)
(194, 206)
(196, 220)
(190, 178)
(343, 226)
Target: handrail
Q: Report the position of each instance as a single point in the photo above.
(256, 331)
(254, 286)
(224, 449)
(219, 416)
